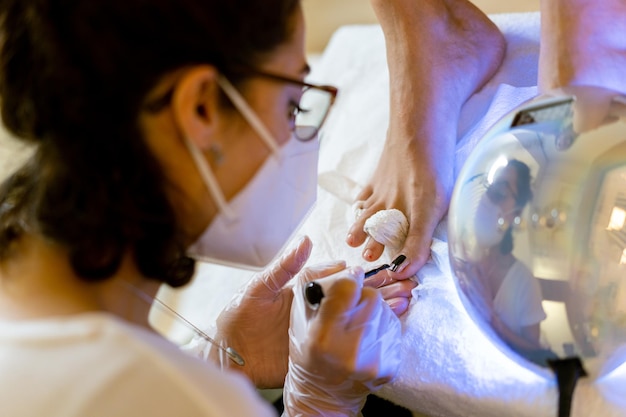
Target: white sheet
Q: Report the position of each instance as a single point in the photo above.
(451, 368)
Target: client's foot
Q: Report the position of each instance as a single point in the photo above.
(439, 52)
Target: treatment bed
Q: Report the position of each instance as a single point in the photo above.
(450, 368)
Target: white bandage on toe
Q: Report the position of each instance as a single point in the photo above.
(358, 209)
(388, 227)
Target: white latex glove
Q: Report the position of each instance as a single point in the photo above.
(342, 351)
(256, 320)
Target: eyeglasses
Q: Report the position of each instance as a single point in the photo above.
(499, 191)
(307, 116)
(313, 107)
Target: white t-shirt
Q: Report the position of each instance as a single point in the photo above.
(518, 301)
(97, 365)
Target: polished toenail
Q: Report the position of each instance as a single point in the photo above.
(395, 264)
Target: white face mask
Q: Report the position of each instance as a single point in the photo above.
(252, 228)
(489, 223)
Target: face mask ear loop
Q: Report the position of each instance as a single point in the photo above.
(251, 117)
(209, 179)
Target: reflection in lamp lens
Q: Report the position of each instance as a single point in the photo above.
(550, 284)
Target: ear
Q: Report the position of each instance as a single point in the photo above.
(195, 104)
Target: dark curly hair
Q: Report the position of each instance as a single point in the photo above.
(524, 195)
(74, 75)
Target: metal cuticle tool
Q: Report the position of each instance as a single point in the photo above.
(229, 351)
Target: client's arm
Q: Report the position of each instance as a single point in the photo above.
(439, 52)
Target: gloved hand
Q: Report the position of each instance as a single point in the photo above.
(342, 351)
(255, 323)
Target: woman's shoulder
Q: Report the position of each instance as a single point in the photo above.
(196, 383)
(520, 270)
(121, 369)
(523, 278)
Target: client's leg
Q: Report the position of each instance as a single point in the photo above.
(583, 43)
(439, 52)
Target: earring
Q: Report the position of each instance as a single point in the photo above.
(217, 157)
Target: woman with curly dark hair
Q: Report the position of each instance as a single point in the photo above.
(508, 288)
(163, 131)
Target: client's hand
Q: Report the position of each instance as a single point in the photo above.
(341, 351)
(255, 323)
